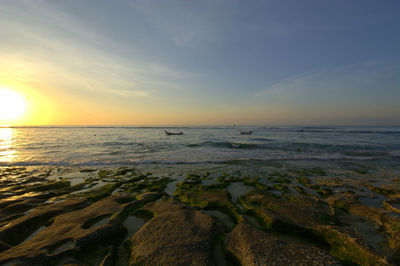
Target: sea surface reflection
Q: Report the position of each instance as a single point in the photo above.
(7, 151)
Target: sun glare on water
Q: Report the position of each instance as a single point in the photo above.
(12, 105)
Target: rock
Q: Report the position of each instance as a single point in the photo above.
(149, 196)
(69, 234)
(3, 247)
(277, 213)
(109, 258)
(382, 219)
(254, 247)
(16, 231)
(348, 246)
(201, 197)
(177, 235)
(212, 198)
(390, 205)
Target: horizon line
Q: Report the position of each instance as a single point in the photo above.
(204, 125)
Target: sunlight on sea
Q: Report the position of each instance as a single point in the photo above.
(27, 146)
(7, 152)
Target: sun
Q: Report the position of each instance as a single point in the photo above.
(12, 105)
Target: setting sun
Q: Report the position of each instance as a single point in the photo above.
(12, 105)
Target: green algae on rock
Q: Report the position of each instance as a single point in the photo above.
(298, 208)
(255, 247)
(167, 239)
(347, 246)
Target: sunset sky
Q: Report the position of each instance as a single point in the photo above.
(121, 62)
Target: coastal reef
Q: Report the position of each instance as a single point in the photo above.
(290, 213)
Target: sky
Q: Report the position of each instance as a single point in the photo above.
(192, 62)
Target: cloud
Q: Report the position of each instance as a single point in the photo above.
(66, 53)
(187, 23)
(353, 84)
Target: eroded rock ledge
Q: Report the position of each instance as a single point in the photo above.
(177, 235)
(122, 216)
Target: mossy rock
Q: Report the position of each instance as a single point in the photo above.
(210, 199)
(276, 212)
(123, 171)
(53, 185)
(74, 227)
(158, 185)
(312, 171)
(300, 190)
(176, 235)
(324, 191)
(388, 192)
(386, 221)
(347, 246)
(304, 181)
(255, 247)
(102, 192)
(104, 173)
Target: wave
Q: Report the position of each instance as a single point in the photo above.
(337, 131)
(275, 157)
(118, 143)
(293, 147)
(366, 153)
(225, 144)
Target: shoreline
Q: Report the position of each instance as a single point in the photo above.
(328, 209)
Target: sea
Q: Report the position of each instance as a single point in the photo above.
(133, 145)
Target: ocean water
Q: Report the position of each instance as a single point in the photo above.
(85, 146)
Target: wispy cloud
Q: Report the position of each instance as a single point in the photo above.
(353, 84)
(67, 53)
(187, 23)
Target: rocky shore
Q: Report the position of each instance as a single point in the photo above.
(274, 214)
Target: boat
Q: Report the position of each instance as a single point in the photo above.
(173, 133)
(245, 132)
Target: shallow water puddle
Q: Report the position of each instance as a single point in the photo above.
(237, 189)
(63, 247)
(171, 187)
(368, 233)
(208, 182)
(224, 218)
(133, 224)
(76, 181)
(34, 233)
(100, 222)
(372, 200)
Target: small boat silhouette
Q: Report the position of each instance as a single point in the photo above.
(173, 133)
(245, 132)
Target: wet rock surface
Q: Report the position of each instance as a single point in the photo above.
(255, 247)
(69, 230)
(277, 212)
(177, 235)
(348, 246)
(264, 214)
